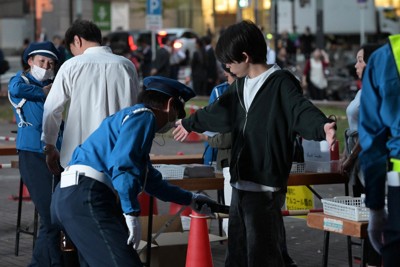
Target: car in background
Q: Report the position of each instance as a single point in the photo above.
(123, 42)
(185, 39)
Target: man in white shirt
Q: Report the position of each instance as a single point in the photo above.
(93, 84)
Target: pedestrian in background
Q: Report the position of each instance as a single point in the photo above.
(94, 84)
(380, 141)
(144, 54)
(28, 90)
(176, 58)
(314, 79)
(350, 163)
(198, 66)
(211, 64)
(307, 42)
(265, 105)
(161, 63)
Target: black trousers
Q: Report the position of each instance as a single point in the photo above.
(255, 229)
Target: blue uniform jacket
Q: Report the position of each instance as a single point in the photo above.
(379, 119)
(210, 154)
(28, 137)
(120, 149)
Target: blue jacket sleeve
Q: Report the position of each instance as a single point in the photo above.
(18, 88)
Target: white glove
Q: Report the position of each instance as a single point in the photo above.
(377, 221)
(135, 233)
(202, 204)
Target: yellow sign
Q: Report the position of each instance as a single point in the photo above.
(299, 198)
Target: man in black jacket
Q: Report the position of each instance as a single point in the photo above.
(264, 109)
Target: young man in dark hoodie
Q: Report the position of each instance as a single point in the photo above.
(264, 109)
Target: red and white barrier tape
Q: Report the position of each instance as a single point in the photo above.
(7, 138)
(299, 212)
(5, 166)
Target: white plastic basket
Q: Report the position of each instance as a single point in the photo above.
(297, 167)
(350, 208)
(169, 171)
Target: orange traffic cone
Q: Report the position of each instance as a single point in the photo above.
(144, 201)
(174, 208)
(199, 249)
(25, 194)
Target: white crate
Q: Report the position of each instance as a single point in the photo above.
(351, 208)
(169, 171)
(297, 167)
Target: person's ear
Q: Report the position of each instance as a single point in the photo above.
(30, 61)
(247, 58)
(170, 104)
(77, 41)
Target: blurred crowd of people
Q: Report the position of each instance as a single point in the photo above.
(201, 71)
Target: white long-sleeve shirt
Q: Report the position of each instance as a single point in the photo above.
(93, 86)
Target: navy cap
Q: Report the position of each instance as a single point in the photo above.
(169, 87)
(46, 49)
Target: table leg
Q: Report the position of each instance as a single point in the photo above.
(364, 249)
(314, 192)
(325, 252)
(349, 251)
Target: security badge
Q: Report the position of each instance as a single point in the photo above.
(69, 178)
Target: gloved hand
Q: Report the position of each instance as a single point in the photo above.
(377, 221)
(135, 233)
(202, 204)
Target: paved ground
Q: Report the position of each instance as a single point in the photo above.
(305, 244)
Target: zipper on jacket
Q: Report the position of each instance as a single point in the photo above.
(244, 128)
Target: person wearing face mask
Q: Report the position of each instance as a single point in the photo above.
(115, 159)
(28, 90)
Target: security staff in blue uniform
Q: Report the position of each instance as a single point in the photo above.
(115, 159)
(27, 92)
(379, 135)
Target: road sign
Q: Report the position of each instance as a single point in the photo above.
(102, 15)
(154, 17)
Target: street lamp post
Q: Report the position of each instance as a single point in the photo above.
(320, 25)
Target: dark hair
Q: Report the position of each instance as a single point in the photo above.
(156, 99)
(241, 37)
(368, 50)
(206, 40)
(84, 29)
(228, 70)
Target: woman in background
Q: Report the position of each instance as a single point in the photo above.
(350, 164)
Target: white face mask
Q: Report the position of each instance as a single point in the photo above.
(41, 74)
(168, 126)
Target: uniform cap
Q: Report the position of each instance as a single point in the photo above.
(169, 87)
(46, 49)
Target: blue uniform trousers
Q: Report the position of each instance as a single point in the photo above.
(38, 179)
(93, 220)
(255, 229)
